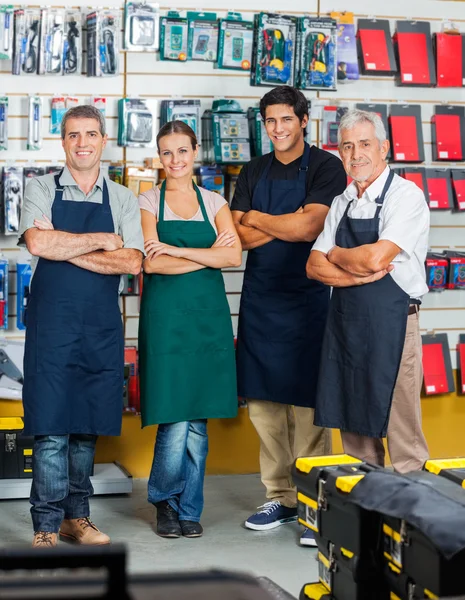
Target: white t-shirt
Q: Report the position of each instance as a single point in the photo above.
(213, 202)
(404, 220)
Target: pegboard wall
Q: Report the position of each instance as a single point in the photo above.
(144, 75)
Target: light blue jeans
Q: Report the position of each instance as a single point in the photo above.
(61, 487)
(178, 468)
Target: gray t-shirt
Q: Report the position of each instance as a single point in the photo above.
(40, 193)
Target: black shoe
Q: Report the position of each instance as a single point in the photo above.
(191, 529)
(167, 521)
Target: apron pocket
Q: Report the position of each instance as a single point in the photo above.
(189, 331)
(102, 351)
(348, 339)
(56, 349)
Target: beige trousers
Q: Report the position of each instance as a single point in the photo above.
(286, 433)
(406, 443)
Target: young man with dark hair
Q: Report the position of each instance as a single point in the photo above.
(279, 208)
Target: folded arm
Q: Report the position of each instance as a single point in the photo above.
(60, 245)
(321, 269)
(364, 260)
(220, 255)
(250, 237)
(116, 262)
(305, 225)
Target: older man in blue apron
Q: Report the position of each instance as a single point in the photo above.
(83, 231)
(279, 207)
(372, 250)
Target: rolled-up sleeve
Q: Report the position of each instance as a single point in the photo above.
(327, 238)
(404, 221)
(130, 228)
(37, 202)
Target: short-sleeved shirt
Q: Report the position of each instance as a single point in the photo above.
(325, 180)
(40, 194)
(213, 202)
(403, 220)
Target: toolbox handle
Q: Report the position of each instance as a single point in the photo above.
(366, 467)
(112, 558)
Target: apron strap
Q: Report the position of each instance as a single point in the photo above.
(58, 189)
(161, 210)
(303, 168)
(105, 197)
(381, 197)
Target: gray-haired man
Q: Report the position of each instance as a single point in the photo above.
(372, 252)
(84, 231)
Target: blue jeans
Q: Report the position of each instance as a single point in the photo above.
(61, 487)
(178, 468)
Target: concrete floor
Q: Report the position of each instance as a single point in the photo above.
(226, 544)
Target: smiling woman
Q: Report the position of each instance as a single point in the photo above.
(186, 349)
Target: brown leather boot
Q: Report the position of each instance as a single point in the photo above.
(44, 539)
(82, 531)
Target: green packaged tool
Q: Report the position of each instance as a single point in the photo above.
(225, 133)
(173, 37)
(203, 36)
(273, 50)
(235, 43)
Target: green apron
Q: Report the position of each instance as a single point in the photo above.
(186, 345)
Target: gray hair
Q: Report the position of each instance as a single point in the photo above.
(84, 111)
(354, 117)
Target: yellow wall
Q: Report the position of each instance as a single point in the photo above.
(234, 443)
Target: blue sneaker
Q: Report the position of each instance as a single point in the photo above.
(270, 515)
(308, 538)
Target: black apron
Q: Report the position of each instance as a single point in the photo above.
(363, 342)
(73, 357)
(282, 313)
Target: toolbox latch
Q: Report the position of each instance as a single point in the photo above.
(322, 502)
(10, 442)
(404, 539)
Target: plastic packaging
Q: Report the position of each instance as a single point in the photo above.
(23, 282)
(3, 292)
(273, 50)
(182, 109)
(34, 136)
(26, 41)
(12, 198)
(100, 103)
(235, 43)
(141, 26)
(137, 121)
(203, 36)
(57, 113)
(317, 66)
(173, 37)
(6, 31)
(52, 30)
(30, 172)
(3, 123)
(72, 52)
(103, 28)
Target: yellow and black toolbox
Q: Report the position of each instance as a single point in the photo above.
(315, 591)
(450, 468)
(402, 587)
(324, 487)
(15, 449)
(348, 577)
(423, 525)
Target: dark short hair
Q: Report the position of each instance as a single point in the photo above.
(285, 94)
(177, 127)
(83, 111)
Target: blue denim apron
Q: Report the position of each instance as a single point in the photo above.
(363, 342)
(282, 313)
(73, 359)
